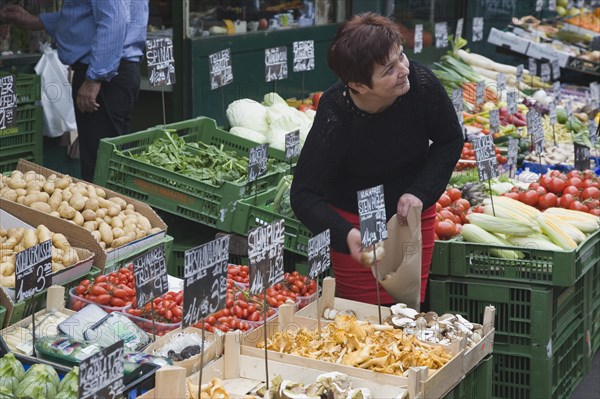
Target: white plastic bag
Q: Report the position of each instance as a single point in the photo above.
(59, 114)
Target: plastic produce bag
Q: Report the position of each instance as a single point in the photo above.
(59, 114)
(399, 272)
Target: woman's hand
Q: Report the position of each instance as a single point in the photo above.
(405, 202)
(353, 241)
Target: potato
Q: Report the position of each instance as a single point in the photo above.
(101, 212)
(30, 239)
(20, 247)
(52, 177)
(89, 214)
(100, 192)
(9, 194)
(66, 195)
(63, 182)
(139, 233)
(70, 257)
(102, 245)
(78, 219)
(144, 222)
(32, 175)
(77, 201)
(49, 187)
(41, 206)
(66, 211)
(116, 222)
(60, 241)
(43, 233)
(20, 199)
(57, 254)
(91, 191)
(21, 192)
(118, 201)
(129, 228)
(31, 198)
(3, 232)
(155, 230)
(117, 232)
(55, 199)
(106, 233)
(90, 225)
(7, 281)
(55, 214)
(130, 207)
(123, 240)
(107, 219)
(114, 210)
(92, 204)
(16, 182)
(34, 185)
(96, 235)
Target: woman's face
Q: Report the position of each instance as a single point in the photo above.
(391, 80)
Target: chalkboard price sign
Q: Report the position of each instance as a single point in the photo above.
(595, 91)
(500, 82)
(582, 157)
(545, 72)
(511, 98)
(552, 5)
(552, 111)
(292, 144)
(555, 69)
(373, 220)
(480, 92)
(220, 69)
(33, 270)
(457, 99)
(556, 90)
(519, 73)
(494, 121)
(276, 67)
(257, 162)
(441, 35)
(513, 152)
(150, 274)
(418, 38)
(265, 253)
(304, 55)
(477, 29)
(205, 280)
(485, 157)
(538, 5)
(535, 129)
(161, 63)
(101, 374)
(532, 66)
(8, 102)
(319, 257)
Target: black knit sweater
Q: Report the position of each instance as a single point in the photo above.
(349, 150)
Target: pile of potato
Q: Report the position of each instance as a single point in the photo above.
(19, 239)
(112, 221)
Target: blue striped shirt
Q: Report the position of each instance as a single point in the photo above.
(99, 33)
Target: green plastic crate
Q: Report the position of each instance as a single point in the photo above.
(529, 319)
(28, 87)
(519, 376)
(172, 192)
(440, 260)
(25, 140)
(125, 262)
(2, 314)
(561, 269)
(593, 310)
(477, 384)
(258, 211)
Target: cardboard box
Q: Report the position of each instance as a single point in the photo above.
(80, 269)
(77, 235)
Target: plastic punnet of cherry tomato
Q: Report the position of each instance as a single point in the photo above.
(115, 289)
(168, 309)
(468, 154)
(575, 190)
(452, 211)
(238, 273)
(298, 284)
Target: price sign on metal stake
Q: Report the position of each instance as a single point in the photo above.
(418, 38)
(457, 99)
(220, 69)
(552, 5)
(8, 102)
(532, 67)
(319, 257)
(477, 29)
(292, 144)
(33, 271)
(304, 55)
(539, 4)
(373, 220)
(555, 69)
(511, 98)
(552, 109)
(257, 162)
(556, 90)
(494, 121)
(485, 157)
(101, 374)
(480, 92)
(545, 72)
(161, 62)
(500, 82)
(459, 28)
(150, 275)
(276, 67)
(441, 35)
(519, 74)
(265, 253)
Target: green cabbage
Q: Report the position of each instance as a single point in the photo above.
(11, 372)
(6, 393)
(40, 382)
(70, 382)
(66, 395)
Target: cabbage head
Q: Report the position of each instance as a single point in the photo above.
(40, 382)
(249, 114)
(11, 372)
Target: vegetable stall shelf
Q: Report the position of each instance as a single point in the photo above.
(173, 192)
(24, 140)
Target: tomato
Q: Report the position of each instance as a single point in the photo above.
(592, 203)
(98, 290)
(591, 183)
(549, 200)
(454, 194)
(303, 107)
(556, 185)
(529, 197)
(465, 203)
(545, 182)
(575, 182)
(444, 200)
(120, 293)
(445, 229)
(574, 173)
(478, 209)
(102, 278)
(578, 206)
(80, 289)
(595, 211)
(118, 302)
(590, 192)
(514, 196)
(316, 97)
(254, 316)
(565, 201)
(571, 190)
(103, 299)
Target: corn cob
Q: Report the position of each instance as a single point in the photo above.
(500, 225)
(475, 234)
(553, 230)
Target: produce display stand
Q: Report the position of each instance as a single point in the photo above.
(24, 140)
(77, 235)
(173, 192)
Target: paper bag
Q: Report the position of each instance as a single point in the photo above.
(399, 272)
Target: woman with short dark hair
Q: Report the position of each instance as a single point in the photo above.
(387, 121)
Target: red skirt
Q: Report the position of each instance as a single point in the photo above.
(356, 282)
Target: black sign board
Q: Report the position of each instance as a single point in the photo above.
(532, 66)
(582, 156)
(205, 280)
(556, 90)
(220, 69)
(319, 257)
(511, 98)
(161, 63)
(292, 144)
(150, 273)
(477, 29)
(257, 162)
(494, 121)
(519, 73)
(500, 82)
(555, 69)
(265, 253)
(304, 56)
(513, 151)
(459, 27)
(101, 374)
(276, 67)
(33, 270)
(418, 38)
(441, 35)
(480, 92)
(595, 90)
(457, 99)
(485, 156)
(545, 73)
(8, 102)
(373, 220)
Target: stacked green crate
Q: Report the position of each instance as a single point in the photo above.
(477, 384)
(593, 307)
(539, 347)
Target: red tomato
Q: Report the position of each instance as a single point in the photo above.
(514, 196)
(574, 173)
(549, 200)
(465, 203)
(556, 185)
(444, 200)
(445, 229)
(590, 192)
(578, 206)
(591, 183)
(565, 201)
(595, 211)
(576, 182)
(103, 299)
(529, 197)
(571, 190)
(303, 107)
(454, 194)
